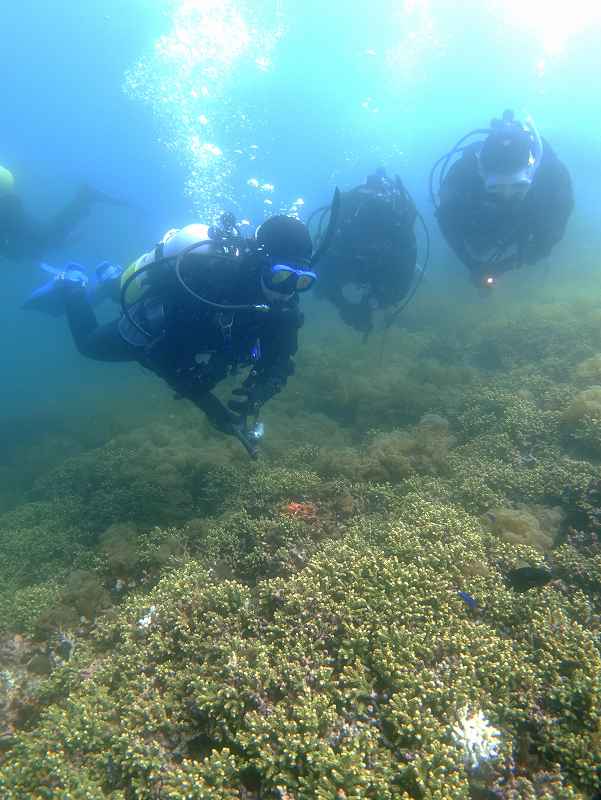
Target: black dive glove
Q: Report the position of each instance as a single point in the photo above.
(218, 415)
(228, 422)
(252, 395)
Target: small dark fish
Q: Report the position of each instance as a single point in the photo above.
(470, 601)
(524, 578)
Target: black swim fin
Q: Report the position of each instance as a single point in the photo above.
(90, 194)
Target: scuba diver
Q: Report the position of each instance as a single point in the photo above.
(372, 261)
(202, 303)
(505, 201)
(22, 237)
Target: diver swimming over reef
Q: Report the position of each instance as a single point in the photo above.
(372, 263)
(23, 237)
(202, 303)
(505, 201)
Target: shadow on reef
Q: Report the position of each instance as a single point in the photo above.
(337, 620)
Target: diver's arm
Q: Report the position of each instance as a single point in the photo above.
(455, 239)
(551, 213)
(270, 374)
(399, 284)
(221, 417)
(218, 415)
(279, 347)
(452, 214)
(226, 421)
(196, 385)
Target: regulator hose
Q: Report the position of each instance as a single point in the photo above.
(177, 267)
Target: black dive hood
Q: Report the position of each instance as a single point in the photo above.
(439, 170)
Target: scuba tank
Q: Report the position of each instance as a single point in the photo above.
(173, 242)
(162, 269)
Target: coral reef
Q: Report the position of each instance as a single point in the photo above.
(205, 687)
(521, 525)
(392, 456)
(589, 370)
(582, 420)
(334, 621)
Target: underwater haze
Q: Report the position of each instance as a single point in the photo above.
(181, 108)
(401, 598)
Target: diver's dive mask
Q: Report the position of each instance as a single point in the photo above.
(515, 184)
(286, 279)
(508, 187)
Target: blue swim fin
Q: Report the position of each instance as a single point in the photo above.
(105, 283)
(50, 297)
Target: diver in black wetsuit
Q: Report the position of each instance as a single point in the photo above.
(371, 263)
(23, 237)
(505, 202)
(199, 305)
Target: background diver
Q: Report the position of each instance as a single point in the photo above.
(505, 201)
(200, 304)
(23, 237)
(371, 263)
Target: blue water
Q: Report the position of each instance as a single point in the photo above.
(186, 108)
(334, 93)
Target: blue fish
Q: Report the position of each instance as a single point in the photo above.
(470, 601)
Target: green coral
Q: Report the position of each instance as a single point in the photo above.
(392, 456)
(22, 608)
(535, 526)
(292, 628)
(297, 683)
(589, 370)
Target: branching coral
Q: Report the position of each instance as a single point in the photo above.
(392, 456)
(300, 684)
(522, 526)
(330, 653)
(582, 420)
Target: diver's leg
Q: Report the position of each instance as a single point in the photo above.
(100, 342)
(70, 216)
(74, 212)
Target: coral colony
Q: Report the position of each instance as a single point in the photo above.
(399, 600)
